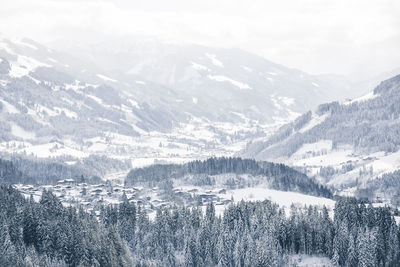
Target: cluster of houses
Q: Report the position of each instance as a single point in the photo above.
(92, 196)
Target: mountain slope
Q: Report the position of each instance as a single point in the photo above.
(343, 142)
(164, 102)
(146, 101)
(51, 105)
(217, 83)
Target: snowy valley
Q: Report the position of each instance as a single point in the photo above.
(187, 155)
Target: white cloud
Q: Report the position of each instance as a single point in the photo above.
(317, 36)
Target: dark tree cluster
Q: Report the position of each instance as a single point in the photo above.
(258, 234)
(48, 234)
(9, 173)
(45, 233)
(32, 170)
(279, 176)
(388, 186)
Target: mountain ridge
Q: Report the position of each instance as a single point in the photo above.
(344, 144)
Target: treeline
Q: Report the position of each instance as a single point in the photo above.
(278, 176)
(386, 187)
(259, 234)
(24, 171)
(48, 234)
(248, 234)
(9, 173)
(32, 170)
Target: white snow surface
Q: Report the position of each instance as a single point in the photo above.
(4, 83)
(315, 120)
(197, 66)
(105, 78)
(24, 65)
(214, 60)
(247, 69)
(221, 78)
(334, 157)
(320, 146)
(315, 84)
(384, 162)
(5, 47)
(70, 114)
(363, 98)
(310, 261)
(7, 107)
(18, 131)
(54, 150)
(52, 60)
(23, 43)
(288, 101)
(282, 198)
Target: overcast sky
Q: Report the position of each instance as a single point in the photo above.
(317, 36)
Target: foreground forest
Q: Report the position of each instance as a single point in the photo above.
(45, 233)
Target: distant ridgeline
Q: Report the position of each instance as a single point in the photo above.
(277, 176)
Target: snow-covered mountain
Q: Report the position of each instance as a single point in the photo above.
(146, 100)
(345, 144)
(50, 107)
(218, 84)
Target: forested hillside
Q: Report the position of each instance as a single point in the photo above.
(369, 124)
(49, 171)
(31, 170)
(48, 234)
(278, 176)
(386, 187)
(9, 174)
(344, 146)
(248, 234)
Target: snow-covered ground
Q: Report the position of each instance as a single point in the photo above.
(24, 65)
(282, 198)
(366, 97)
(214, 60)
(220, 78)
(310, 261)
(315, 120)
(105, 78)
(351, 167)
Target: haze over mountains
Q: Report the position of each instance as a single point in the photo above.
(143, 95)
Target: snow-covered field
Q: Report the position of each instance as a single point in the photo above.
(282, 198)
(310, 261)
